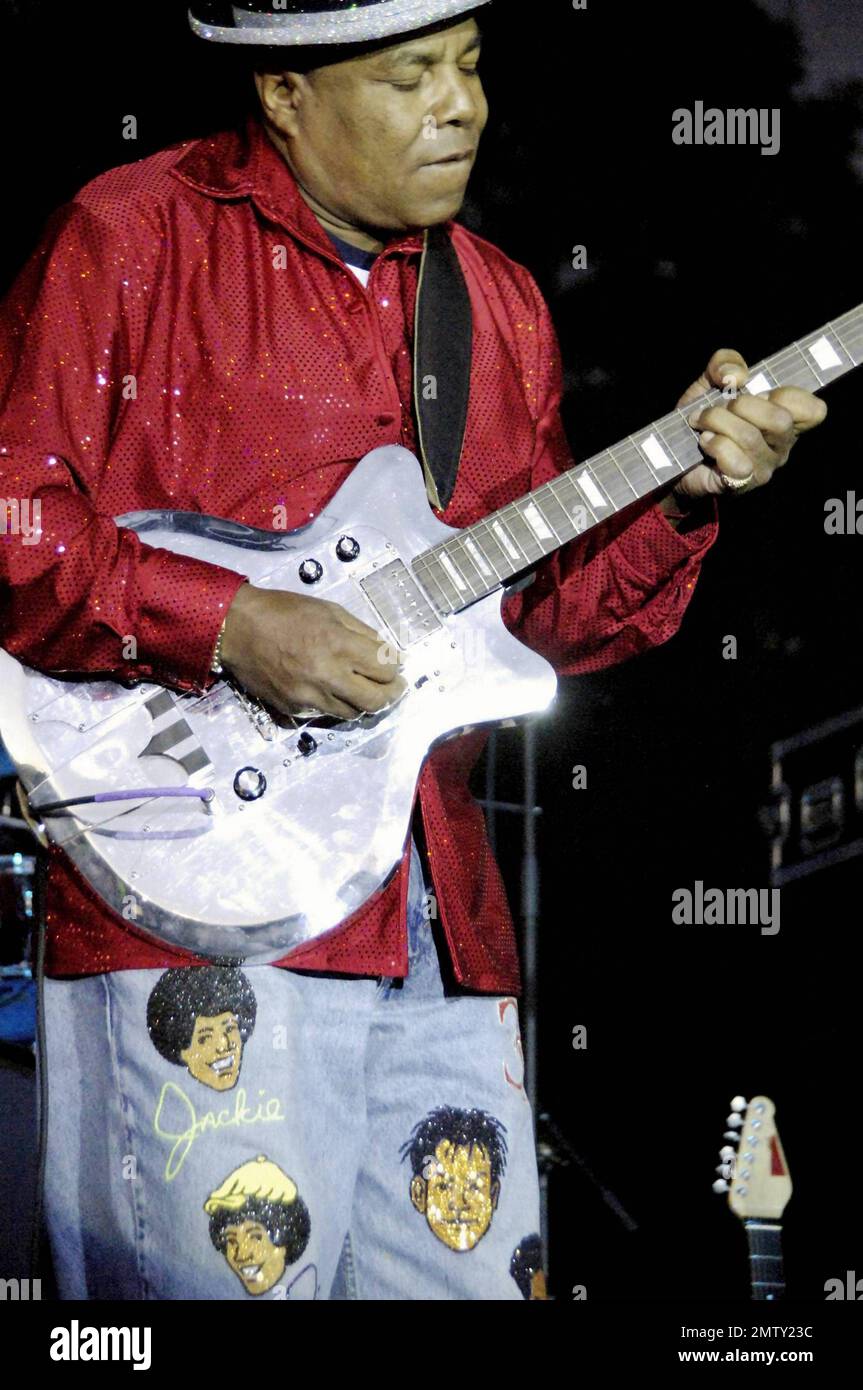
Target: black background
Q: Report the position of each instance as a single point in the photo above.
(689, 249)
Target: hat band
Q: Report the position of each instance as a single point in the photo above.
(374, 19)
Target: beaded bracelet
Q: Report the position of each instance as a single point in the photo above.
(216, 667)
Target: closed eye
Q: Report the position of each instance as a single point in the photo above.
(412, 86)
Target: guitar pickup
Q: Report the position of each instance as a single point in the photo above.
(400, 603)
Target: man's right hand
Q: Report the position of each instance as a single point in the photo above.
(296, 653)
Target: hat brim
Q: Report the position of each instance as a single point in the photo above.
(356, 25)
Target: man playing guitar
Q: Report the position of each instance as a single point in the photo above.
(226, 327)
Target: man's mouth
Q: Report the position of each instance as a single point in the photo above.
(464, 158)
(222, 1064)
(250, 1272)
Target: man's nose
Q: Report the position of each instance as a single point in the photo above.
(457, 101)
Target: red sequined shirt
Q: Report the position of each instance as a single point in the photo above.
(187, 336)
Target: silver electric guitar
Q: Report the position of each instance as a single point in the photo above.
(208, 824)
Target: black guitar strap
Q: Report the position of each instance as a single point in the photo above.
(443, 343)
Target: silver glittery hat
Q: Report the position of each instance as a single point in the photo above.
(339, 22)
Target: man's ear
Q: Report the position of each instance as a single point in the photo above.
(494, 1192)
(280, 95)
(419, 1192)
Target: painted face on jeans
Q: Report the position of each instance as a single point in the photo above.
(457, 1194)
(215, 1052)
(256, 1261)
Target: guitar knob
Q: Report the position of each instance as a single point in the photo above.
(727, 1152)
(720, 1185)
(306, 745)
(734, 1121)
(347, 548)
(311, 571)
(250, 783)
(738, 1103)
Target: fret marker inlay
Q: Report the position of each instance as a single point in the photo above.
(654, 452)
(477, 556)
(590, 490)
(534, 518)
(824, 353)
(505, 540)
(452, 571)
(758, 383)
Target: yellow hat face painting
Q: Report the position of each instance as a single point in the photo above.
(259, 1222)
(261, 1178)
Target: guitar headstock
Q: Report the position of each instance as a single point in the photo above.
(754, 1173)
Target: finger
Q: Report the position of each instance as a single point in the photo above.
(367, 695)
(725, 368)
(729, 458)
(312, 697)
(341, 709)
(721, 420)
(356, 625)
(775, 423)
(805, 409)
(772, 419)
(377, 660)
(326, 704)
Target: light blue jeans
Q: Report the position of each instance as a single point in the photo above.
(254, 1132)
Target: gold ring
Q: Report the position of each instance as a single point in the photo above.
(736, 484)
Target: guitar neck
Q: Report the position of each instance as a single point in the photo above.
(766, 1276)
(480, 558)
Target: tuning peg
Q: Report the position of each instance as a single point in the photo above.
(727, 1152)
(739, 1103)
(730, 1134)
(720, 1186)
(725, 1170)
(734, 1121)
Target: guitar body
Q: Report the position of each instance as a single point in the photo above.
(319, 818)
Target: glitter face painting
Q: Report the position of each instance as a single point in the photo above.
(458, 1158)
(259, 1222)
(202, 1019)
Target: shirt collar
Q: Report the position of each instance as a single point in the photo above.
(245, 163)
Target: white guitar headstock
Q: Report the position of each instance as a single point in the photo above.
(752, 1168)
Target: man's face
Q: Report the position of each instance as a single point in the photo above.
(386, 141)
(457, 1196)
(256, 1261)
(215, 1052)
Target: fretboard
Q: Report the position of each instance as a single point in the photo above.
(513, 539)
(765, 1260)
